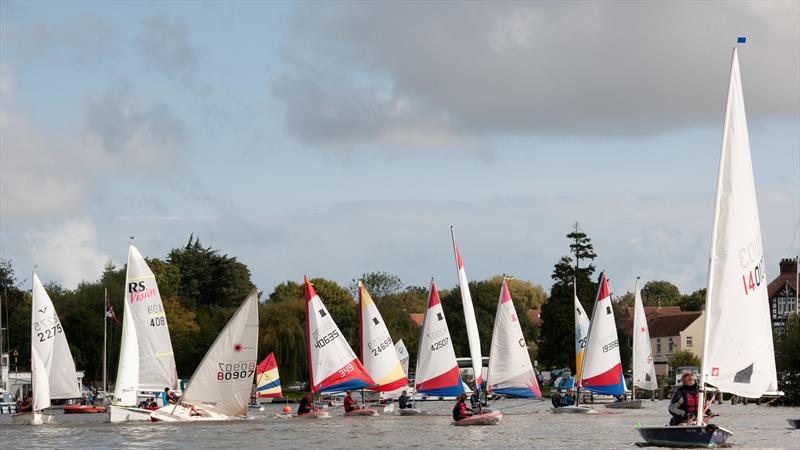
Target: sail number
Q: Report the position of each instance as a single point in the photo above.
(346, 369)
(753, 278)
(49, 333)
(387, 343)
(158, 321)
(441, 344)
(327, 339)
(610, 346)
(236, 371)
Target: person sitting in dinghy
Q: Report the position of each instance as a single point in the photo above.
(349, 403)
(305, 405)
(404, 401)
(684, 403)
(461, 411)
(169, 397)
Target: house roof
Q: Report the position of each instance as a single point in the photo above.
(418, 318)
(656, 311)
(787, 275)
(673, 324)
(535, 316)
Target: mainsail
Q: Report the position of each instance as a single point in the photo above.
(602, 369)
(510, 369)
(331, 362)
(581, 333)
(437, 369)
(52, 367)
(268, 382)
(469, 318)
(402, 355)
(644, 371)
(738, 354)
(223, 380)
(146, 361)
(377, 349)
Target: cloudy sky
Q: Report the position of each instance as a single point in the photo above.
(331, 139)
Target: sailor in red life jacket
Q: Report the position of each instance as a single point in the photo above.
(461, 411)
(349, 403)
(685, 401)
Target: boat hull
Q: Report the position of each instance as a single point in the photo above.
(573, 410)
(492, 418)
(795, 423)
(708, 436)
(628, 404)
(32, 418)
(180, 413)
(367, 412)
(84, 409)
(412, 412)
(120, 414)
(315, 415)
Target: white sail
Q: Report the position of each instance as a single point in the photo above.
(437, 369)
(471, 323)
(377, 349)
(223, 381)
(52, 367)
(581, 334)
(510, 369)
(146, 359)
(738, 354)
(644, 371)
(602, 368)
(402, 355)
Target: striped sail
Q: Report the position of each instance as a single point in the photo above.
(268, 383)
(510, 369)
(332, 364)
(602, 367)
(377, 349)
(437, 369)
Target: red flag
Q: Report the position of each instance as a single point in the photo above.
(110, 309)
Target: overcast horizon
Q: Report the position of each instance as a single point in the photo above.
(333, 139)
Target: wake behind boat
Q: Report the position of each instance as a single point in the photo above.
(221, 384)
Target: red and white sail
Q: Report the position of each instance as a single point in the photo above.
(377, 349)
(738, 354)
(644, 370)
(469, 318)
(602, 368)
(332, 363)
(510, 369)
(437, 369)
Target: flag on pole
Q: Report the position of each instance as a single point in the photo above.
(110, 309)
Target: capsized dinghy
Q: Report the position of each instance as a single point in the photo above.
(221, 384)
(738, 355)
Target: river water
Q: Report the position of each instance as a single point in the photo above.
(526, 425)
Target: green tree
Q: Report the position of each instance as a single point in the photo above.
(659, 292)
(695, 301)
(787, 361)
(684, 358)
(557, 334)
(379, 284)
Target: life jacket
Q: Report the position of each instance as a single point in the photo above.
(691, 399)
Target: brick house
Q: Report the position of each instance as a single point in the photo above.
(782, 294)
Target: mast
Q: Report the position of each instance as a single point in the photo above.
(308, 348)
(105, 345)
(574, 296)
(714, 232)
(633, 347)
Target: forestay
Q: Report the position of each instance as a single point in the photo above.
(738, 352)
(52, 367)
(602, 368)
(377, 349)
(146, 359)
(437, 368)
(332, 363)
(644, 370)
(510, 369)
(223, 381)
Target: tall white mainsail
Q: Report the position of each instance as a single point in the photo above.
(602, 368)
(52, 367)
(644, 370)
(738, 354)
(469, 318)
(223, 380)
(377, 349)
(146, 361)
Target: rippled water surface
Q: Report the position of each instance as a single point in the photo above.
(525, 425)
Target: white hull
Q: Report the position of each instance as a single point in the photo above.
(573, 410)
(120, 414)
(180, 413)
(32, 418)
(412, 412)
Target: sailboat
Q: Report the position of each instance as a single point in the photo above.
(52, 367)
(377, 348)
(268, 382)
(146, 362)
(644, 371)
(510, 369)
(582, 324)
(482, 417)
(738, 355)
(402, 355)
(220, 387)
(601, 371)
(332, 365)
